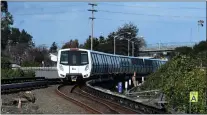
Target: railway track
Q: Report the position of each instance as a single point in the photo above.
(122, 100)
(93, 104)
(23, 84)
(16, 87)
(116, 107)
(64, 91)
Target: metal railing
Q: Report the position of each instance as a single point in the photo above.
(166, 46)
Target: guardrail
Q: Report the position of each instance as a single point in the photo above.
(123, 100)
(143, 92)
(36, 68)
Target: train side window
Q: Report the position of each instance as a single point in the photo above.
(112, 58)
(74, 61)
(101, 57)
(64, 57)
(105, 61)
(112, 61)
(138, 62)
(119, 61)
(108, 64)
(98, 59)
(141, 62)
(115, 61)
(93, 58)
(122, 62)
(125, 62)
(109, 58)
(84, 58)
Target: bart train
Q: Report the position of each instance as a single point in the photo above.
(74, 63)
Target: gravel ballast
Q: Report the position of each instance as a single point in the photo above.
(46, 102)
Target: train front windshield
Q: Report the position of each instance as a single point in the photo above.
(74, 58)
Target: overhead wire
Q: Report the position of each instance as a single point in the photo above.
(107, 11)
(155, 15)
(144, 6)
(128, 13)
(118, 12)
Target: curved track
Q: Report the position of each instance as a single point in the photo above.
(122, 100)
(63, 91)
(93, 104)
(116, 107)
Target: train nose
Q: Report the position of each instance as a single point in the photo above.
(73, 78)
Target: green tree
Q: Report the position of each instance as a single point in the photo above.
(71, 44)
(53, 47)
(125, 32)
(202, 46)
(87, 44)
(6, 22)
(81, 46)
(26, 38)
(183, 50)
(101, 40)
(176, 79)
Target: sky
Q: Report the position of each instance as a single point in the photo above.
(59, 22)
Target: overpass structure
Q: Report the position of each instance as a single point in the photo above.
(164, 47)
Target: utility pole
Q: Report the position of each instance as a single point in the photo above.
(190, 35)
(128, 47)
(132, 48)
(92, 18)
(200, 23)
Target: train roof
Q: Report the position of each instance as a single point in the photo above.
(80, 49)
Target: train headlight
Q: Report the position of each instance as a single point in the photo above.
(86, 68)
(61, 68)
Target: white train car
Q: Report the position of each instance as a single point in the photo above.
(74, 63)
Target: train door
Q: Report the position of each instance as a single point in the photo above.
(74, 60)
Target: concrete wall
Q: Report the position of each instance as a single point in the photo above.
(46, 74)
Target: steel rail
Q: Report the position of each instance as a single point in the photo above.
(96, 100)
(79, 103)
(123, 109)
(16, 87)
(122, 100)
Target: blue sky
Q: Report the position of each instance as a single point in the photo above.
(61, 21)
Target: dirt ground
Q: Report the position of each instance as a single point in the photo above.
(46, 102)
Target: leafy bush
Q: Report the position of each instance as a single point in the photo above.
(5, 63)
(202, 46)
(29, 74)
(184, 50)
(30, 64)
(10, 73)
(17, 73)
(176, 79)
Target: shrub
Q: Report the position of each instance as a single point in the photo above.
(10, 73)
(5, 63)
(30, 64)
(29, 73)
(176, 79)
